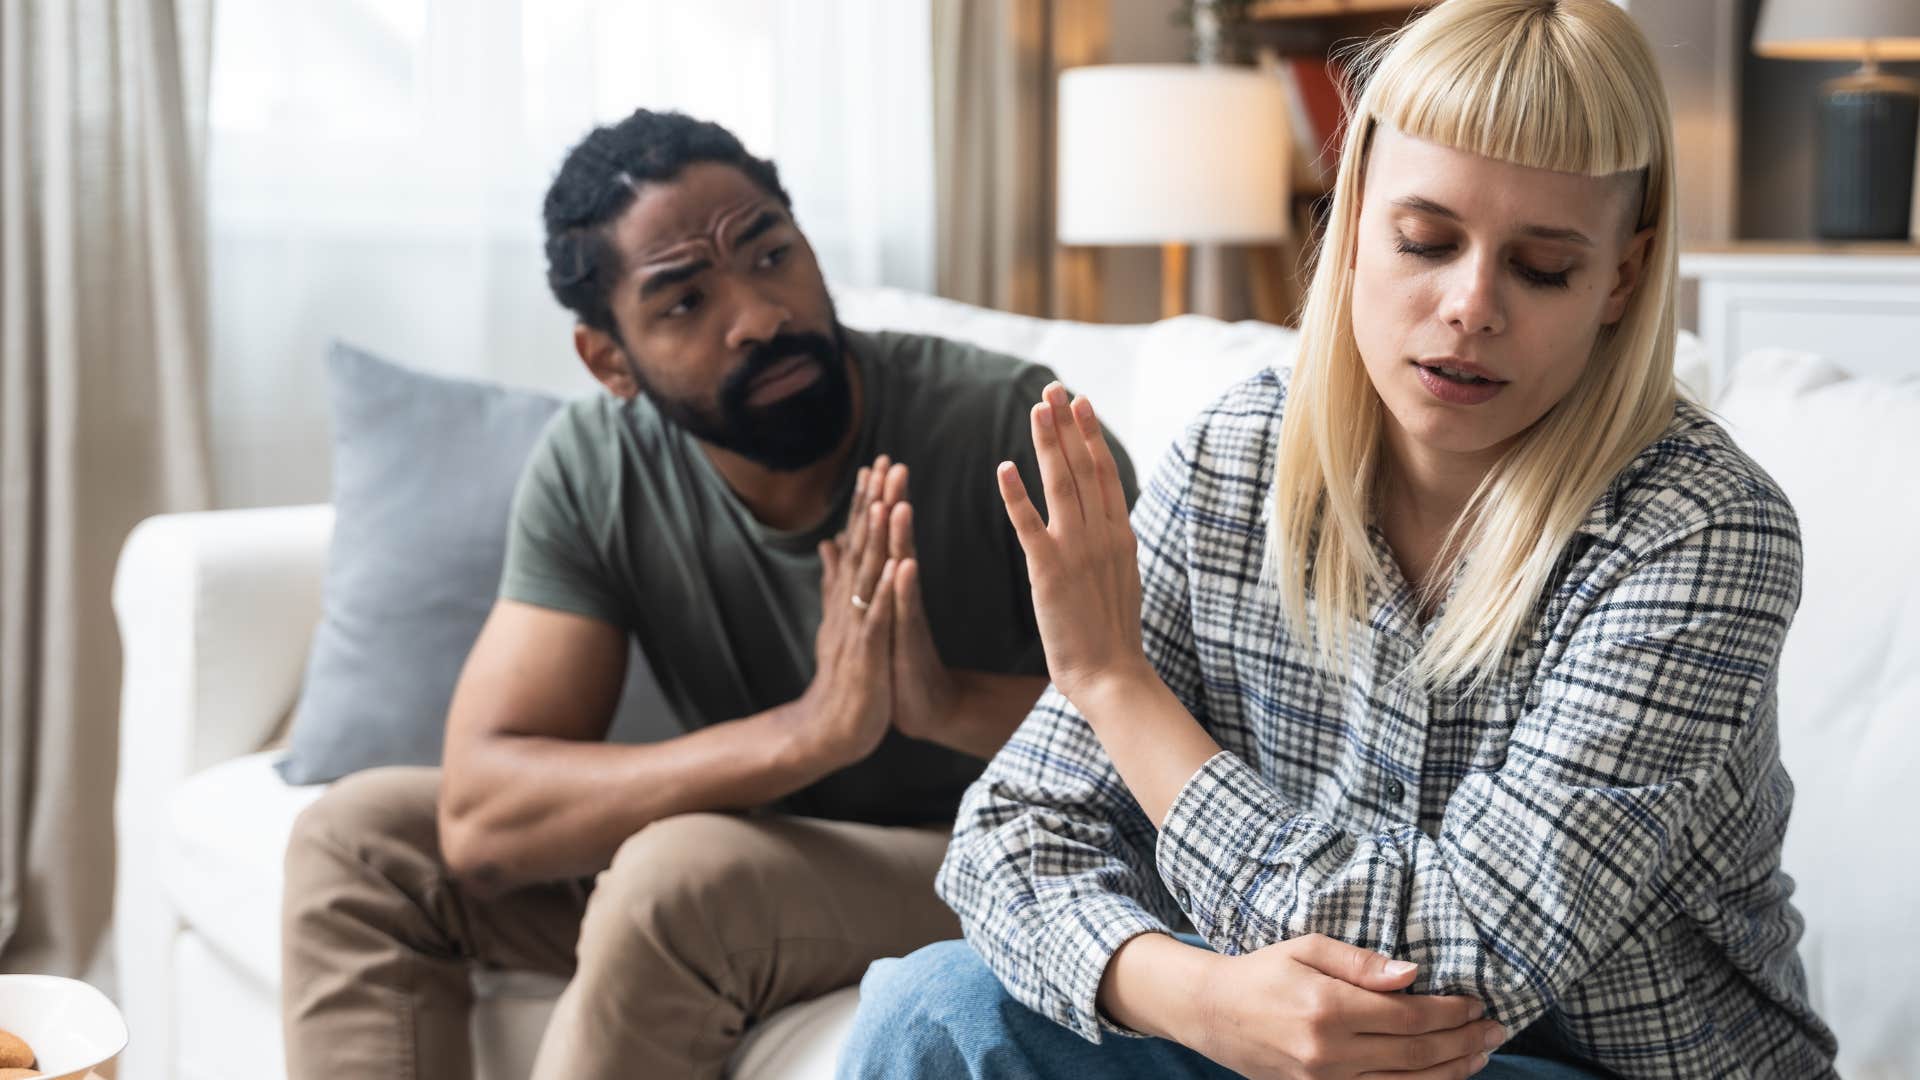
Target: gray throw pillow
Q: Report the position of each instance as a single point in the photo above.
(424, 470)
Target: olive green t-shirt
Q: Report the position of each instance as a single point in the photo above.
(621, 517)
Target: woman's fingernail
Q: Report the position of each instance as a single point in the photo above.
(1397, 968)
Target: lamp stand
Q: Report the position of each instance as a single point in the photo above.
(1173, 280)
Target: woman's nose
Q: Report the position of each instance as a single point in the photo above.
(1472, 304)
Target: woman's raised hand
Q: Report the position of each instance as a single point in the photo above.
(1081, 559)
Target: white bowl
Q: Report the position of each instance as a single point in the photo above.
(71, 1026)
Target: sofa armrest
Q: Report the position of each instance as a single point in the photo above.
(215, 611)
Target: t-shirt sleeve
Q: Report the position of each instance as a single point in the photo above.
(552, 560)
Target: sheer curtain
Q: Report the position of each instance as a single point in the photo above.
(376, 169)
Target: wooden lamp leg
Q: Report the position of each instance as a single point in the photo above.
(1173, 280)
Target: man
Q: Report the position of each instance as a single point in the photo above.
(842, 656)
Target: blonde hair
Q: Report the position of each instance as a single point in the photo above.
(1566, 85)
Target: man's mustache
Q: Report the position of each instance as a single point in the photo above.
(772, 353)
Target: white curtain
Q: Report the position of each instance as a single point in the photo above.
(377, 166)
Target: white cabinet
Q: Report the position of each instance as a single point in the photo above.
(1857, 306)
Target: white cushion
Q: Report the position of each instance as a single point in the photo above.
(228, 829)
(801, 1042)
(1846, 451)
(1186, 363)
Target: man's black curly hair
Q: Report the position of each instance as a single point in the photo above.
(600, 179)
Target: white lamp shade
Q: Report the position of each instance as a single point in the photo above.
(1171, 153)
(1839, 29)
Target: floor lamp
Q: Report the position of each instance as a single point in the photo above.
(1171, 155)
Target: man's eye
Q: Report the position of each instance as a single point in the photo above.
(685, 304)
(774, 257)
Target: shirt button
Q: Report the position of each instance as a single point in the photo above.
(1180, 895)
(1395, 790)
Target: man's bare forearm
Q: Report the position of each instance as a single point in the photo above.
(987, 708)
(518, 809)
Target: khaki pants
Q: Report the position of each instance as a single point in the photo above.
(703, 925)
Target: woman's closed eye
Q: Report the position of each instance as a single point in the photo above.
(1532, 275)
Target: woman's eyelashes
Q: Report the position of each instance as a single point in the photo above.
(1548, 279)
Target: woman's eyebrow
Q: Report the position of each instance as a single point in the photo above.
(1544, 232)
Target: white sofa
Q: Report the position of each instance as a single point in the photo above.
(216, 611)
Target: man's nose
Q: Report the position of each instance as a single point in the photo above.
(757, 319)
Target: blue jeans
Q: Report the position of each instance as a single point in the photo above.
(940, 1014)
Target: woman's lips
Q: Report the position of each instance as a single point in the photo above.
(1457, 393)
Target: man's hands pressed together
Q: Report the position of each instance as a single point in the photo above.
(877, 664)
(848, 706)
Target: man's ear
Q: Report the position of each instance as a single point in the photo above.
(606, 361)
(1627, 276)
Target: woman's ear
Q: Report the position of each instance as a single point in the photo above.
(606, 361)
(1627, 276)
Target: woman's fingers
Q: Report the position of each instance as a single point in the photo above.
(1073, 444)
(1112, 498)
(1026, 520)
(1056, 476)
(1452, 1070)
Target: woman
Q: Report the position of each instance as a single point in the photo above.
(1439, 693)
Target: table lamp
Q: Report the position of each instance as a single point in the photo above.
(1171, 155)
(1867, 120)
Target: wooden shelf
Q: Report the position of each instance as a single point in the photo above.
(1900, 248)
(1320, 9)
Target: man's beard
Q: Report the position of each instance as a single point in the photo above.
(785, 435)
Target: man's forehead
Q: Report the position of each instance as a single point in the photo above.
(698, 208)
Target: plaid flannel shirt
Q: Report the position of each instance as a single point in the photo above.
(1591, 839)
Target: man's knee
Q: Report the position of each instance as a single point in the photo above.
(686, 874)
(380, 821)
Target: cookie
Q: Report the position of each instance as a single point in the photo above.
(18, 1074)
(14, 1054)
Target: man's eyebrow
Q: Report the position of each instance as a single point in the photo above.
(671, 276)
(767, 220)
(1543, 232)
